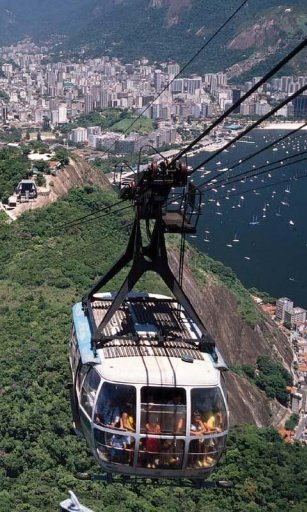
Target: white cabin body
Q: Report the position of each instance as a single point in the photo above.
(153, 403)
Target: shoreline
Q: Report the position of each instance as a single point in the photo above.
(288, 125)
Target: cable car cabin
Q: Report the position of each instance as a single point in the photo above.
(150, 404)
(26, 190)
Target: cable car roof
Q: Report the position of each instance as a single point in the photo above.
(151, 339)
(159, 371)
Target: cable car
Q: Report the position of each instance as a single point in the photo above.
(148, 393)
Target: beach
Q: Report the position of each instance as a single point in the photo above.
(287, 125)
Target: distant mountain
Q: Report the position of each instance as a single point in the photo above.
(163, 29)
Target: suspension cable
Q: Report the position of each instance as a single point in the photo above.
(253, 173)
(267, 185)
(84, 220)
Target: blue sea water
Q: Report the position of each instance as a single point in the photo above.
(270, 255)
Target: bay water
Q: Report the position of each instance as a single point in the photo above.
(261, 230)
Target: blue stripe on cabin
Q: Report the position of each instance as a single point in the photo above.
(83, 335)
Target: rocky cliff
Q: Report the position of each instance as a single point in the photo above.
(239, 344)
(76, 174)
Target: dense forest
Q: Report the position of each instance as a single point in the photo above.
(45, 266)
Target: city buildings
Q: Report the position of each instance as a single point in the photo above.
(38, 94)
(282, 305)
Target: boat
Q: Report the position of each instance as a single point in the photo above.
(254, 220)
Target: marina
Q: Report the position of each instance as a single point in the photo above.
(269, 223)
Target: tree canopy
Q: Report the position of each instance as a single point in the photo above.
(14, 166)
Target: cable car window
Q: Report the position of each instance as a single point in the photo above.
(81, 375)
(74, 350)
(163, 410)
(116, 448)
(224, 386)
(208, 411)
(204, 453)
(115, 406)
(89, 389)
(160, 453)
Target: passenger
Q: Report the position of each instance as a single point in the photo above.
(210, 454)
(198, 427)
(118, 445)
(152, 445)
(178, 423)
(109, 415)
(212, 422)
(168, 454)
(127, 419)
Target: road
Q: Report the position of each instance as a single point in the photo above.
(302, 425)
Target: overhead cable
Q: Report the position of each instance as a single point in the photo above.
(250, 173)
(86, 218)
(267, 185)
(255, 175)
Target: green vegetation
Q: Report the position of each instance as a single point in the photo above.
(142, 125)
(287, 325)
(111, 119)
(271, 377)
(40, 180)
(14, 166)
(292, 422)
(266, 297)
(203, 267)
(157, 30)
(3, 95)
(10, 135)
(62, 155)
(43, 271)
(41, 165)
(107, 165)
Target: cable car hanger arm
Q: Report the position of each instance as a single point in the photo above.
(144, 258)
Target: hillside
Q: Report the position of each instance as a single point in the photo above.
(162, 29)
(43, 271)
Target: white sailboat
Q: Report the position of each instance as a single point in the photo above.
(254, 220)
(235, 238)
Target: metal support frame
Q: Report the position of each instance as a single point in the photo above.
(152, 257)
